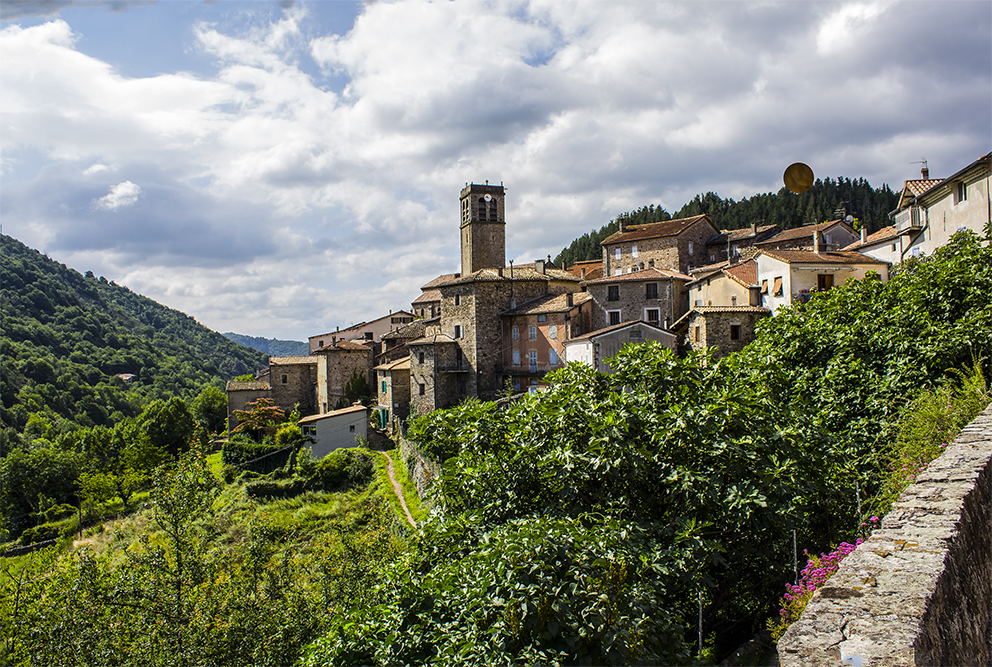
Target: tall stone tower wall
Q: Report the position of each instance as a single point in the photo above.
(483, 228)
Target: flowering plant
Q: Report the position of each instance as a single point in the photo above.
(818, 569)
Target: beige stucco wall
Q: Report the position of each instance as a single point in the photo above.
(947, 215)
(718, 290)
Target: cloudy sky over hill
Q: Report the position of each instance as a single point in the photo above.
(279, 169)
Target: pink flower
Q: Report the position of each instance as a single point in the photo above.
(874, 518)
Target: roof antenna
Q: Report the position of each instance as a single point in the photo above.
(924, 172)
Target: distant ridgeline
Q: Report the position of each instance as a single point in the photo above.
(826, 200)
(92, 352)
(271, 346)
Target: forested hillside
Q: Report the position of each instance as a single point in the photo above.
(65, 338)
(828, 199)
(271, 346)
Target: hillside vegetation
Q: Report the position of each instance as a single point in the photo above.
(65, 337)
(828, 199)
(271, 346)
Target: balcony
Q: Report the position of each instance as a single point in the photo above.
(453, 368)
(909, 219)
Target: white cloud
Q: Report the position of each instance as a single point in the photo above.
(271, 196)
(120, 196)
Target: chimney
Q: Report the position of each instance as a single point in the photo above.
(549, 262)
(864, 235)
(623, 224)
(539, 266)
(334, 341)
(583, 276)
(754, 229)
(816, 242)
(925, 173)
(569, 300)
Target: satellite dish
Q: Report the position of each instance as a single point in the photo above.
(798, 177)
(849, 218)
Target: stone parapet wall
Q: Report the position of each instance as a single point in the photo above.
(919, 590)
(423, 470)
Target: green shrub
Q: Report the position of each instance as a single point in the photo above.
(262, 458)
(345, 469)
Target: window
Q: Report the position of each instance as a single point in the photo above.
(368, 335)
(458, 357)
(712, 257)
(735, 332)
(893, 247)
(651, 291)
(633, 250)
(516, 384)
(764, 286)
(698, 302)
(533, 360)
(961, 193)
(616, 253)
(516, 357)
(636, 333)
(320, 343)
(423, 388)
(733, 300)
(652, 315)
(421, 357)
(650, 263)
(695, 334)
(617, 272)
(458, 300)
(383, 389)
(613, 293)
(310, 431)
(824, 281)
(554, 357)
(542, 318)
(516, 333)
(351, 428)
(532, 332)
(285, 379)
(614, 316)
(553, 331)
(458, 331)
(777, 286)
(690, 247)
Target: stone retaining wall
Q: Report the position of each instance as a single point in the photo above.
(423, 470)
(919, 590)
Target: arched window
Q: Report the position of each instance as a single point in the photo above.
(482, 208)
(492, 210)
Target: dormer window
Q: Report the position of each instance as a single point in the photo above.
(960, 192)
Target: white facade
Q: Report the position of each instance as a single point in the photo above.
(787, 277)
(365, 331)
(595, 348)
(335, 430)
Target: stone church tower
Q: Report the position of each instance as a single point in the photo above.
(483, 228)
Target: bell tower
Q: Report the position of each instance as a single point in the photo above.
(483, 227)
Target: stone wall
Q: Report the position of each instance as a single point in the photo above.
(423, 470)
(919, 590)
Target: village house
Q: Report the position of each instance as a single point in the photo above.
(790, 276)
(832, 235)
(338, 429)
(240, 394)
(931, 211)
(596, 347)
(428, 304)
(534, 336)
(886, 244)
(729, 285)
(587, 270)
(393, 388)
(726, 328)
(657, 296)
(371, 331)
(737, 244)
(676, 245)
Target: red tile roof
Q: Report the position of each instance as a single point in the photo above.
(800, 232)
(234, 385)
(550, 303)
(746, 273)
(644, 274)
(656, 230)
(291, 361)
(882, 235)
(342, 344)
(428, 296)
(831, 257)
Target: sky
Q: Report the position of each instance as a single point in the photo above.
(280, 169)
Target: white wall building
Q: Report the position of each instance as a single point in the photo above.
(334, 430)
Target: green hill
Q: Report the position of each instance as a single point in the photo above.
(271, 346)
(828, 199)
(66, 339)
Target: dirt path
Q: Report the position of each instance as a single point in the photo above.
(397, 489)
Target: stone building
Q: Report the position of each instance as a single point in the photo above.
(293, 381)
(656, 296)
(828, 236)
(393, 388)
(587, 270)
(733, 285)
(240, 394)
(394, 343)
(737, 244)
(676, 245)
(534, 336)
(727, 328)
(428, 304)
(372, 331)
(336, 363)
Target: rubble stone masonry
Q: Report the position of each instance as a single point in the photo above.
(919, 590)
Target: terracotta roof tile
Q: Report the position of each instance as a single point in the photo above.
(343, 411)
(397, 365)
(428, 296)
(645, 274)
(342, 344)
(882, 235)
(291, 361)
(655, 230)
(518, 273)
(746, 273)
(740, 234)
(234, 385)
(440, 280)
(550, 303)
(413, 330)
(800, 232)
(831, 257)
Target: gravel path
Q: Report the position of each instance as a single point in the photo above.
(396, 488)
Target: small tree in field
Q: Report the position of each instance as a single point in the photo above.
(258, 414)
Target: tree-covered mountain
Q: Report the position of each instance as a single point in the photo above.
(271, 346)
(828, 199)
(69, 343)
